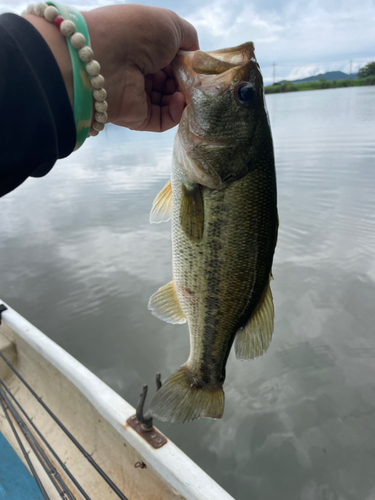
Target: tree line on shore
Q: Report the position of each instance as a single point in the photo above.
(365, 76)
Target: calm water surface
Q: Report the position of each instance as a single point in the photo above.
(80, 260)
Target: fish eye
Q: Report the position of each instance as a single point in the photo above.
(245, 94)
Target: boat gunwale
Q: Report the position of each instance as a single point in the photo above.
(172, 464)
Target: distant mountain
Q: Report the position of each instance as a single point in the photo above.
(329, 76)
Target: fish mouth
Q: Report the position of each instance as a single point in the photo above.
(213, 72)
(202, 77)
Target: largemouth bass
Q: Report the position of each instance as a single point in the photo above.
(222, 202)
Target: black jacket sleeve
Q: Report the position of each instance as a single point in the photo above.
(36, 118)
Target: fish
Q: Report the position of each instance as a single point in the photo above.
(222, 201)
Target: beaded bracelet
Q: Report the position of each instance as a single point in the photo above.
(81, 84)
(79, 48)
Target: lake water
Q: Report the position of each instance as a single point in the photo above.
(80, 260)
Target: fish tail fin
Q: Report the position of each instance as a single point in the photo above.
(178, 400)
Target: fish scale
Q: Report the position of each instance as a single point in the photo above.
(245, 273)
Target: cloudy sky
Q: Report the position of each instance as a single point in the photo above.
(301, 37)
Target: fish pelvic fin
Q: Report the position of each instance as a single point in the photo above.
(192, 213)
(161, 210)
(178, 400)
(254, 339)
(164, 305)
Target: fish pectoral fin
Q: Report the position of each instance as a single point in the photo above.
(192, 213)
(164, 305)
(161, 210)
(255, 337)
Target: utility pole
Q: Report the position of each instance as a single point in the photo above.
(274, 72)
(350, 67)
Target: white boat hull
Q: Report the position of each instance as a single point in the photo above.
(97, 417)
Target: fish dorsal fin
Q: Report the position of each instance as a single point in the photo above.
(255, 337)
(164, 305)
(161, 210)
(192, 213)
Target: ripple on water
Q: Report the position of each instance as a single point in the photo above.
(79, 259)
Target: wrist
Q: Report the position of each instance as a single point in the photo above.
(87, 89)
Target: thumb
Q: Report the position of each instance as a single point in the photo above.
(188, 35)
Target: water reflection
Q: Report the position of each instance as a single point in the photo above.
(80, 260)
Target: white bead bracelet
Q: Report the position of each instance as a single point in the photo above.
(86, 54)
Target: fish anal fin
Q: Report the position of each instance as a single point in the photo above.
(161, 210)
(178, 400)
(192, 213)
(255, 337)
(164, 305)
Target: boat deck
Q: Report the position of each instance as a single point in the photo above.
(16, 481)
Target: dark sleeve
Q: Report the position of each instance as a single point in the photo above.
(36, 118)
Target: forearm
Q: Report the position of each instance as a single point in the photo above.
(59, 48)
(134, 45)
(37, 126)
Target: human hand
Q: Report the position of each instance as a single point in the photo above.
(135, 45)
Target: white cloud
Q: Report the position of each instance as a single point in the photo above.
(129, 167)
(293, 33)
(233, 28)
(301, 37)
(111, 254)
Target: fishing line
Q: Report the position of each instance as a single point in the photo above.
(47, 465)
(61, 463)
(70, 436)
(25, 454)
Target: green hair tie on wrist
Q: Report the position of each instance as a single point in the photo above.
(81, 84)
